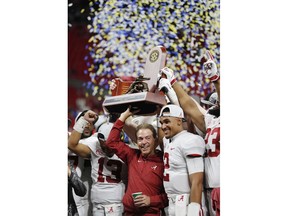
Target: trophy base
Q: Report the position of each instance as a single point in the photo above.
(147, 102)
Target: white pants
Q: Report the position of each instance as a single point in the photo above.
(84, 205)
(108, 210)
(182, 209)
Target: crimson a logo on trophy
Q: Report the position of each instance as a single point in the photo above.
(154, 56)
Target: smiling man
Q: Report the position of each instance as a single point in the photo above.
(183, 162)
(145, 169)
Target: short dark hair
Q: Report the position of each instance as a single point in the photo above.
(146, 126)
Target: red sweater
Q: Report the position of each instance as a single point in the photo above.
(144, 174)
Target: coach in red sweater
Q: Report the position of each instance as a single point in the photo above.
(145, 169)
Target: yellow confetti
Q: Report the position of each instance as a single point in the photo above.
(172, 28)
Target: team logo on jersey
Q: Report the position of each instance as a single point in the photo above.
(181, 198)
(154, 56)
(154, 167)
(99, 152)
(110, 210)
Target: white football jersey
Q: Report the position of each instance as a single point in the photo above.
(108, 174)
(212, 155)
(176, 177)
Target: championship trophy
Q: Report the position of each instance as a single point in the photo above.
(142, 93)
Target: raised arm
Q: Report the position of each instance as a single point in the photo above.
(188, 104)
(130, 128)
(114, 141)
(211, 72)
(76, 147)
(73, 141)
(191, 107)
(217, 87)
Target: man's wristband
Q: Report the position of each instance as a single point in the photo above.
(80, 125)
(173, 81)
(214, 78)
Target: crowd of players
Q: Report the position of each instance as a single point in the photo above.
(172, 158)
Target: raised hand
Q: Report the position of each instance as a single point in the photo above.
(210, 68)
(168, 74)
(90, 116)
(165, 86)
(128, 112)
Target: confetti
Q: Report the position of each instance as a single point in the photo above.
(123, 32)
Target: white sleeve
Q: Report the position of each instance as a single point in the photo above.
(195, 165)
(92, 142)
(193, 145)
